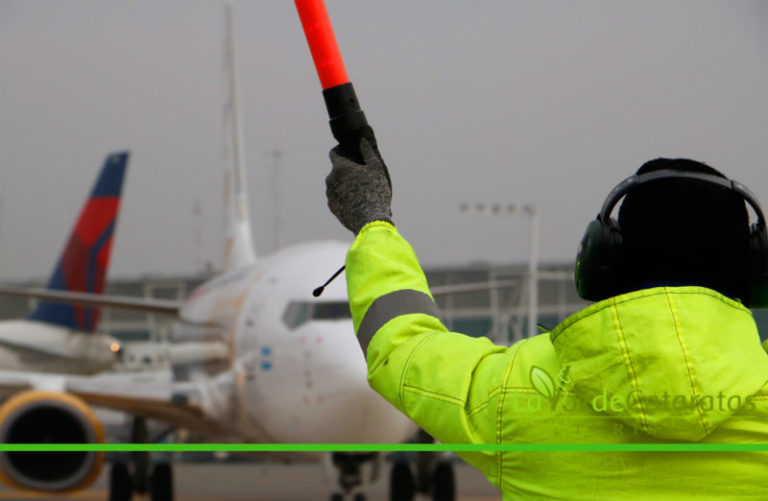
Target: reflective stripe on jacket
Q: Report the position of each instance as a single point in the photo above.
(668, 364)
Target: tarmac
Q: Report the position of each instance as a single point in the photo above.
(265, 482)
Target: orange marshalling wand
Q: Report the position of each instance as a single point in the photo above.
(347, 119)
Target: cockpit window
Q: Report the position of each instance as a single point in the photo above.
(298, 313)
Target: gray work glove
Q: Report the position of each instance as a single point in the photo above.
(359, 193)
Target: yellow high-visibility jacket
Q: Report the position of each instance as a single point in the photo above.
(668, 364)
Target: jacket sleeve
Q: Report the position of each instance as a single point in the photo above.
(450, 384)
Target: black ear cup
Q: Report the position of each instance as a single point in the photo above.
(598, 259)
(757, 268)
(587, 260)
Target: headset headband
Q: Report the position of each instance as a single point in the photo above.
(636, 180)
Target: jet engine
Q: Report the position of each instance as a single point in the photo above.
(42, 417)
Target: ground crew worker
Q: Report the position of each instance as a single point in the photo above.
(669, 353)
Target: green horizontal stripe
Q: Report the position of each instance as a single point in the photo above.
(384, 447)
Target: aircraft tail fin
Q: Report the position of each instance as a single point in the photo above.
(82, 266)
(239, 250)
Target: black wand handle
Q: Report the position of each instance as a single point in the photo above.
(347, 120)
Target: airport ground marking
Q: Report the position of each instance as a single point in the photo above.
(581, 447)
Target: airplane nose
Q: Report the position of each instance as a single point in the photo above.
(352, 409)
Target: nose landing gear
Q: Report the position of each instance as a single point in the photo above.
(350, 478)
(434, 475)
(123, 483)
(434, 478)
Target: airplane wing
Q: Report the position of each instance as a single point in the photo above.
(162, 306)
(178, 415)
(149, 394)
(24, 348)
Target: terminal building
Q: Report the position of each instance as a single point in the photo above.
(485, 300)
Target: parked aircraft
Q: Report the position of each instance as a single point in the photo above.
(255, 359)
(59, 337)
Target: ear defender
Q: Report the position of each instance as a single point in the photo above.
(758, 266)
(600, 266)
(598, 259)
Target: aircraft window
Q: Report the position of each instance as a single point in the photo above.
(331, 311)
(299, 312)
(296, 314)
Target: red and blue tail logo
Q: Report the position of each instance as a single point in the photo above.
(83, 265)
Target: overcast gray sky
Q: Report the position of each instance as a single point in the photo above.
(539, 102)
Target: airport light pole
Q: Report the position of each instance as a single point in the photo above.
(276, 156)
(533, 249)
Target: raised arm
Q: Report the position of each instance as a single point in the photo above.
(450, 384)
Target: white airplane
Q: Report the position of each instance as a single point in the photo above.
(58, 337)
(255, 359)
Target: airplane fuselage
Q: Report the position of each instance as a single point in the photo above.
(284, 366)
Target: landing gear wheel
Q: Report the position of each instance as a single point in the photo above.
(120, 483)
(359, 497)
(443, 485)
(337, 497)
(401, 486)
(161, 483)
